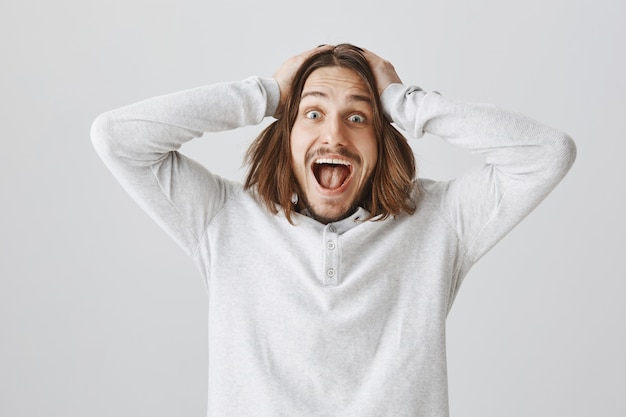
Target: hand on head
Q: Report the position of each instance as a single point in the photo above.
(383, 70)
(286, 72)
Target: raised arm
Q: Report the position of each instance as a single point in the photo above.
(139, 143)
(524, 159)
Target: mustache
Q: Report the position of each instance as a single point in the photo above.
(321, 152)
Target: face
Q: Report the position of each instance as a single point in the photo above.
(333, 143)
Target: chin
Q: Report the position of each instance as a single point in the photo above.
(329, 216)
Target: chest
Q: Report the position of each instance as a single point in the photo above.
(393, 261)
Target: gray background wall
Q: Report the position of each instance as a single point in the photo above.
(102, 315)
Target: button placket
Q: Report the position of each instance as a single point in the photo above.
(330, 273)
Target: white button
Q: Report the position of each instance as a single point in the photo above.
(331, 272)
(331, 245)
(332, 229)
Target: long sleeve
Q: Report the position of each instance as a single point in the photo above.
(524, 161)
(139, 143)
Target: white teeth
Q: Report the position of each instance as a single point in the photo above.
(332, 161)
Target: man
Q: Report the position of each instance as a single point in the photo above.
(331, 271)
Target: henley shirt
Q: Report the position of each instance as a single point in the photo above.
(346, 319)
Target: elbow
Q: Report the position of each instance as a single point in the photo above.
(103, 137)
(560, 155)
(566, 151)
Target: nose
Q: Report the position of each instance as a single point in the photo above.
(333, 133)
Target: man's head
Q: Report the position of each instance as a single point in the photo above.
(332, 145)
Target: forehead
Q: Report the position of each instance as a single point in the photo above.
(335, 81)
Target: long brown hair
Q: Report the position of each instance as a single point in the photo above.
(269, 156)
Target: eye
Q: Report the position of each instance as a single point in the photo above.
(313, 115)
(356, 118)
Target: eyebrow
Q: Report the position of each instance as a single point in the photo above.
(351, 97)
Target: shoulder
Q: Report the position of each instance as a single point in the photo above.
(426, 191)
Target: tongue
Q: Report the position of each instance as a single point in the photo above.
(332, 176)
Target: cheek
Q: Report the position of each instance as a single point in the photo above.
(370, 152)
(298, 151)
(298, 144)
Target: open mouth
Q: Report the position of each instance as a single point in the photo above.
(332, 173)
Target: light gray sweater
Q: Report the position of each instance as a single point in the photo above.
(345, 319)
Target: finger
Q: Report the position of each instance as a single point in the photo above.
(384, 71)
(371, 57)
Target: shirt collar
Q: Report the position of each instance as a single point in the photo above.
(346, 224)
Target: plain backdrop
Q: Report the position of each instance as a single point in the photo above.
(101, 314)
